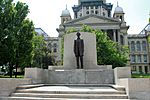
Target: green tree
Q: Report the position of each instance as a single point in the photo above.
(108, 51)
(16, 34)
(38, 46)
(42, 55)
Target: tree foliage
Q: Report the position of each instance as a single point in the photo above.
(16, 35)
(108, 51)
(42, 55)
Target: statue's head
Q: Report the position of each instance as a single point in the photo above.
(78, 34)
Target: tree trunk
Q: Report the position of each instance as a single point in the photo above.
(10, 70)
(16, 70)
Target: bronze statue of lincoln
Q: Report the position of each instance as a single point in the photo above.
(79, 50)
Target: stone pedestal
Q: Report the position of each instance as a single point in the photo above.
(81, 76)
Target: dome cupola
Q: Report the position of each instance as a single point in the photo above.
(118, 9)
(65, 13)
(65, 16)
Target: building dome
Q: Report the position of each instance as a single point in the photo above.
(118, 10)
(65, 13)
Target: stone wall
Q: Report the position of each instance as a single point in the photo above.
(80, 76)
(136, 88)
(36, 74)
(8, 85)
(76, 76)
(122, 72)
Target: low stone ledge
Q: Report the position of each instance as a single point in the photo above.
(8, 85)
(136, 87)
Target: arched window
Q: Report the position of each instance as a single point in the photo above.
(138, 45)
(87, 12)
(144, 45)
(80, 14)
(104, 14)
(96, 12)
(55, 45)
(63, 20)
(92, 12)
(132, 46)
(50, 46)
(121, 18)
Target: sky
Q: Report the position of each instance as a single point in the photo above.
(46, 14)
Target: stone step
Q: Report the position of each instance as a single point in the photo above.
(29, 86)
(37, 98)
(80, 96)
(119, 88)
(70, 92)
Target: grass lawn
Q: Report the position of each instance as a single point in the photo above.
(7, 76)
(140, 75)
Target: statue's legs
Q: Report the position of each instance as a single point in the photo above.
(77, 59)
(81, 61)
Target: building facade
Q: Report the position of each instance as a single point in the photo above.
(97, 14)
(139, 47)
(52, 43)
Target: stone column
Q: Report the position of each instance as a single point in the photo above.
(59, 50)
(125, 39)
(119, 36)
(114, 35)
(101, 10)
(83, 11)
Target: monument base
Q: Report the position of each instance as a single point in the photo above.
(70, 76)
(81, 76)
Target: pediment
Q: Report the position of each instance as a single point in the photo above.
(92, 19)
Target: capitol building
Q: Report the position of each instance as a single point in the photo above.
(98, 14)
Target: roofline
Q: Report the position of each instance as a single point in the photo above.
(43, 31)
(90, 15)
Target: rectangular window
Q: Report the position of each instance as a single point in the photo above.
(138, 45)
(96, 7)
(140, 69)
(91, 7)
(132, 46)
(146, 69)
(133, 59)
(145, 58)
(133, 68)
(87, 7)
(144, 45)
(139, 59)
(55, 50)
